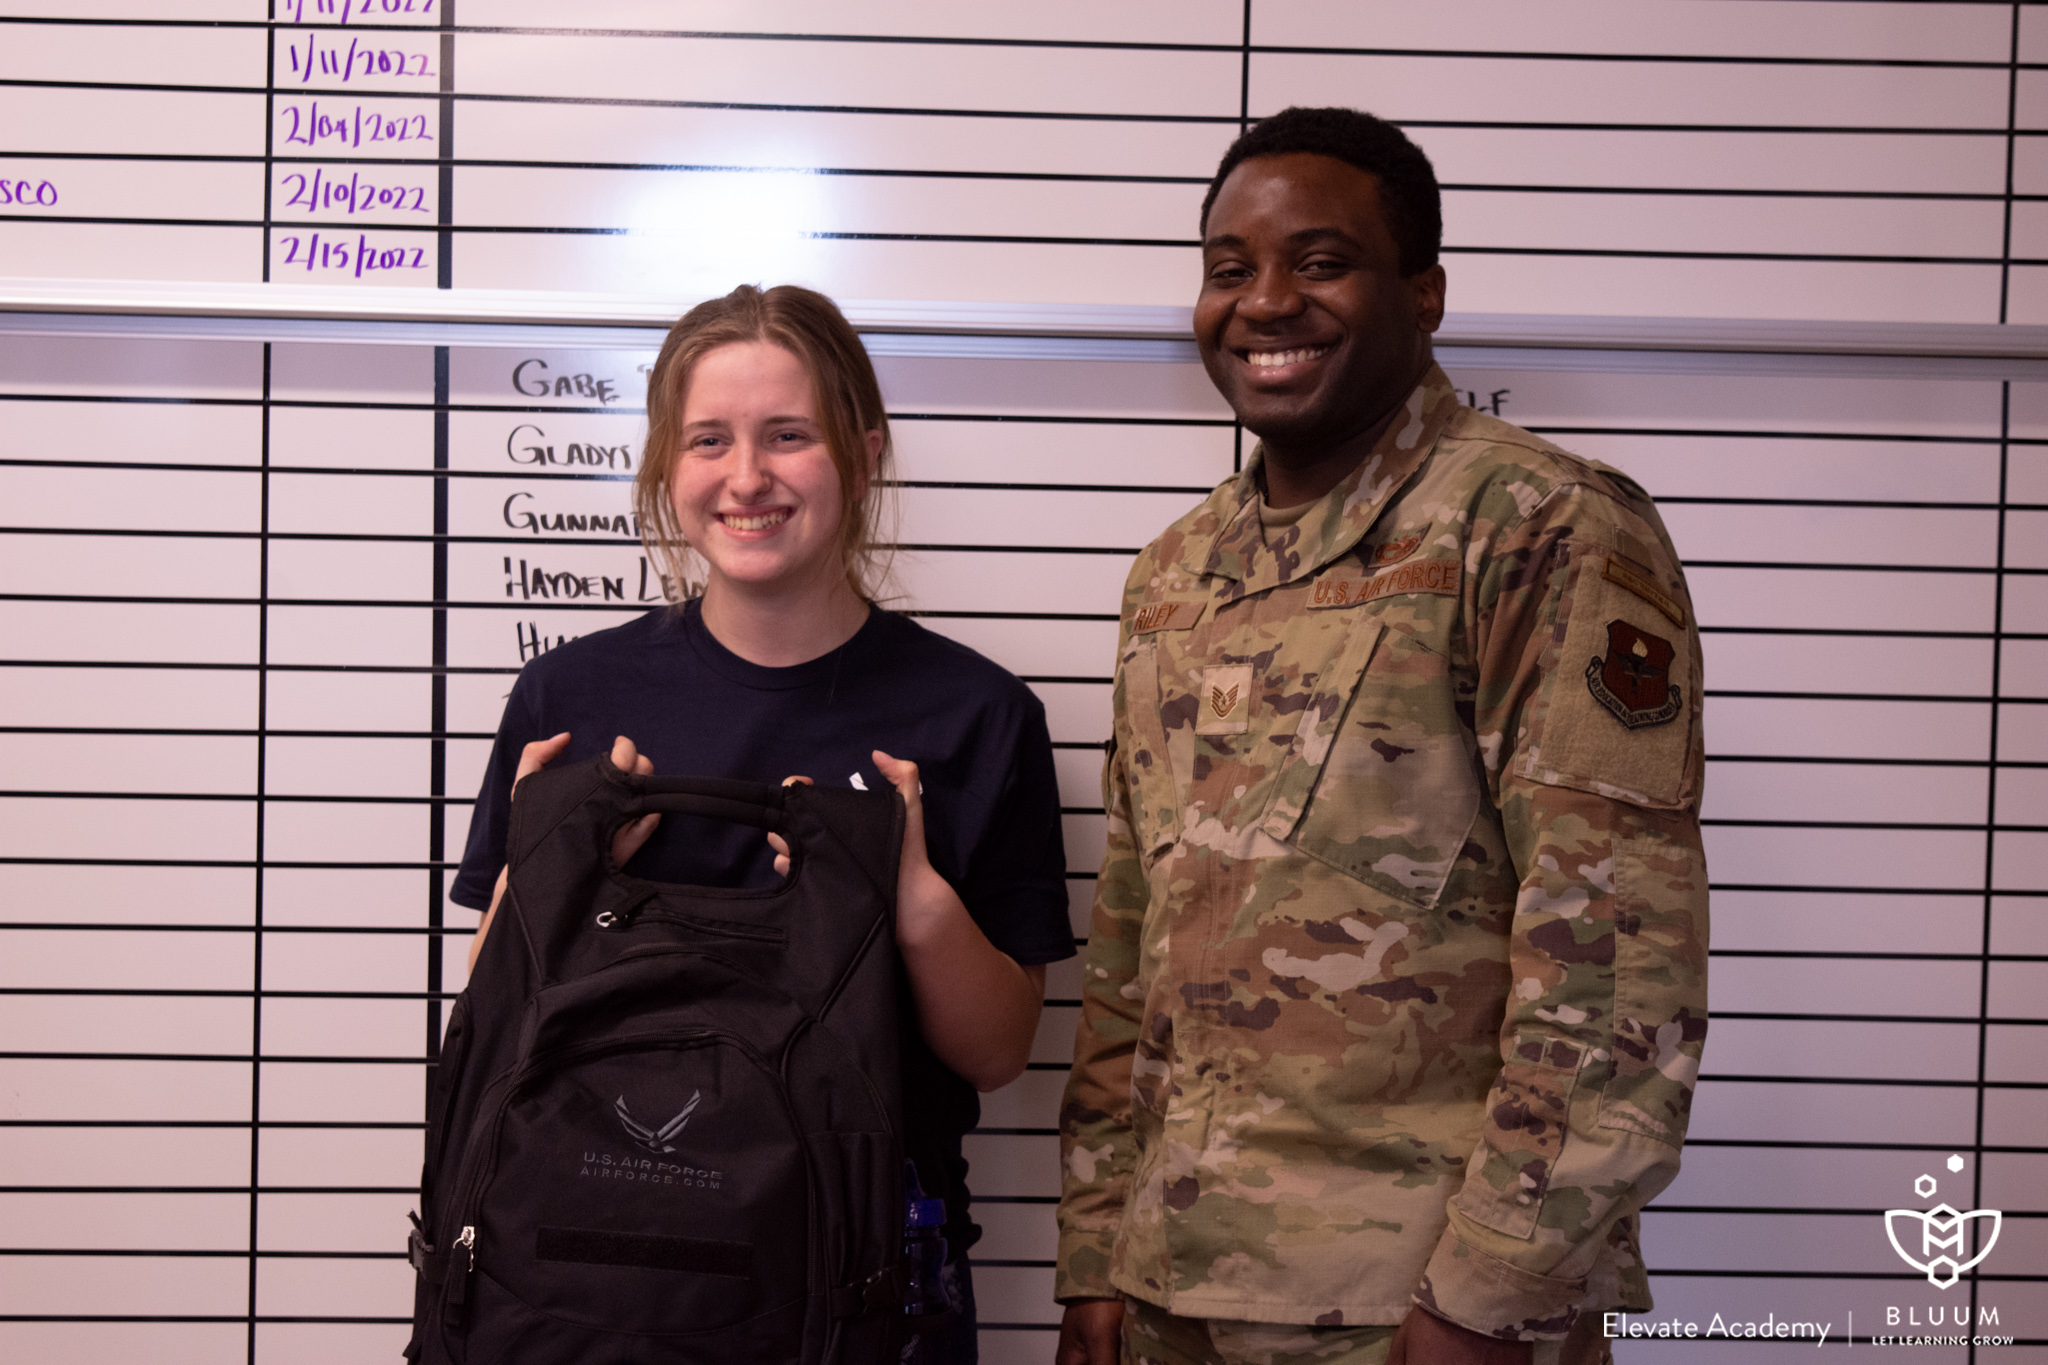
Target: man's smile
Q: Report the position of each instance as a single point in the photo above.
(1269, 366)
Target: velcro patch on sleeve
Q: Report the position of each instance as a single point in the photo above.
(1620, 705)
(1165, 616)
(1643, 584)
(1441, 576)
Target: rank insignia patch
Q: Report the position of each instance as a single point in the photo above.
(1223, 706)
(1634, 680)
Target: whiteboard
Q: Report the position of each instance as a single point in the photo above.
(264, 598)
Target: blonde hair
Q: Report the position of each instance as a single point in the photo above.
(849, 399)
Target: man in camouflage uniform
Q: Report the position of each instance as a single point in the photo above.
(1395, 987)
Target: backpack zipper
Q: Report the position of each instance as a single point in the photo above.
(632, 916)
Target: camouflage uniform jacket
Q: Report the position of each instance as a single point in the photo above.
(1396, 980)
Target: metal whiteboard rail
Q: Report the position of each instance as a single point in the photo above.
(1042, 331)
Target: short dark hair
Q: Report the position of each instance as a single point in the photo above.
(1409, 196)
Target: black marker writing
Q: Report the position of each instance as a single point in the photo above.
(665, 585)
(575, 453)
(529, 583)
(530, 377)
(533, 644)
(587, 523)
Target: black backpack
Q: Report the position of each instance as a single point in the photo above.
(666, 1122)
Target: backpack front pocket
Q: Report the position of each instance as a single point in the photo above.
(651, 1187)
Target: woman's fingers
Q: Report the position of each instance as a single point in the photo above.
(539, 754)
(628, 759)
(776, 841)
(902, 775)
(631, 836)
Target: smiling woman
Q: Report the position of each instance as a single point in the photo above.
(763, 478)
(754, 487)
(750, 392)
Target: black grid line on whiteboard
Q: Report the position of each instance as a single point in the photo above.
(256, 939)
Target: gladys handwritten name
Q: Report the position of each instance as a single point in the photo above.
(585, 454)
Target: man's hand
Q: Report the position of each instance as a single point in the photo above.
(1091, 1333)
(1426, 1339)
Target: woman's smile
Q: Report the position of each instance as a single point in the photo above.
(752, 522)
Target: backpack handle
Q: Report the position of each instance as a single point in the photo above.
(717, 798)
(711, 807)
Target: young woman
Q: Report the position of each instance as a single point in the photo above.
(766, 454)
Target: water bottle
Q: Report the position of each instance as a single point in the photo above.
(924, 1249)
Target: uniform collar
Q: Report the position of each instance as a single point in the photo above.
(1238, 550)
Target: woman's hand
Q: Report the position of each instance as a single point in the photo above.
(976, 1006)
(776, 841)
(922, 895)
(625, 843)
(634, 833)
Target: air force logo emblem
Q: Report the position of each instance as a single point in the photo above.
(655, 1140)
(1936, 1242)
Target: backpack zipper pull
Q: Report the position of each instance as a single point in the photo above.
(458, 1280)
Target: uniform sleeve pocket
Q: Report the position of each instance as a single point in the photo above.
(1660, 987)
(1524, 1133)
(1623, 701)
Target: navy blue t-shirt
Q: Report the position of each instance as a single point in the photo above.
(696, 709)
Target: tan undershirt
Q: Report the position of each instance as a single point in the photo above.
(1273, 519)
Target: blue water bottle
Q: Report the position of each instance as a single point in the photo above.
(924, 1249)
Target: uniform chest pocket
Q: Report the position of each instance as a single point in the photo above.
(1397, 786)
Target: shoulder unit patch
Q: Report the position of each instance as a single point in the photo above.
(1633, 680)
